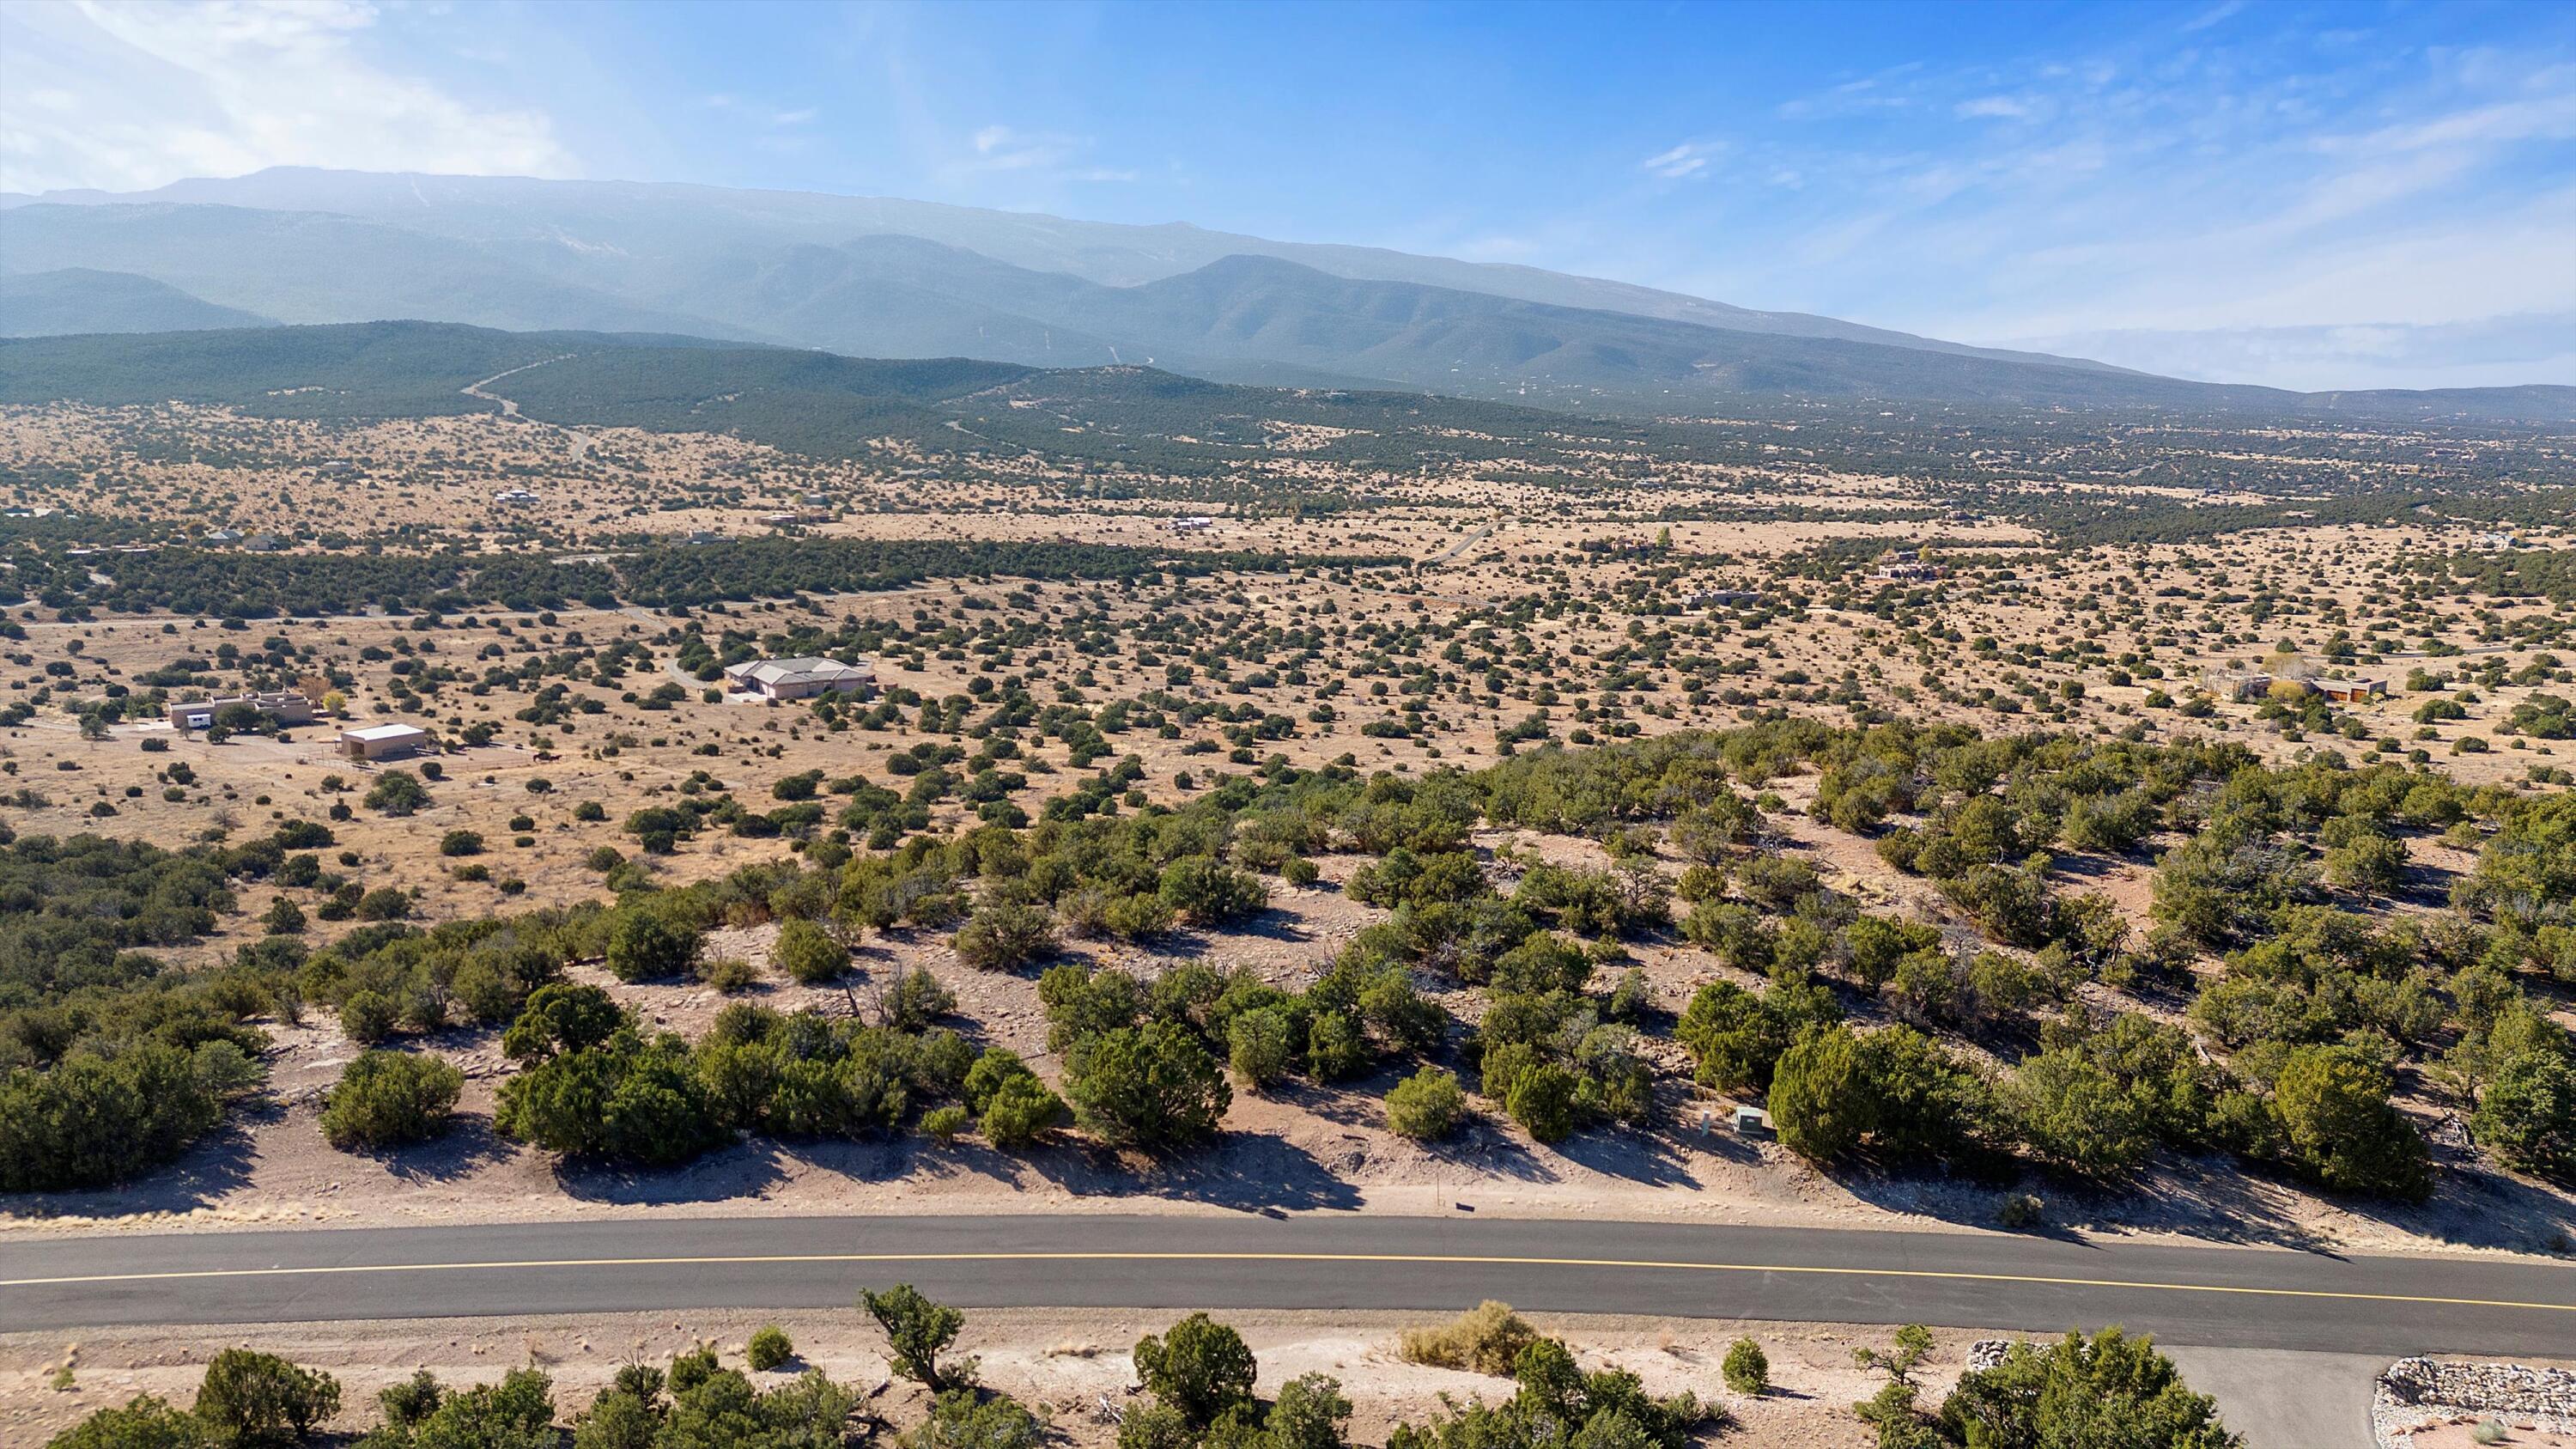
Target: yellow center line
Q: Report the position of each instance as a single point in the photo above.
(1459, 1260)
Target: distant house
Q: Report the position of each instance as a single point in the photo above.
(1724, 598)
(515, 495)
(1193, 523)
(264, 543)
(222, 535)
(2493, 541)
(383, 742)
(2242, 686)
(284, 707)
(1893, 572)
(2350, 691)
(801, 678)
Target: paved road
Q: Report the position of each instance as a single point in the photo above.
(2214, 1297)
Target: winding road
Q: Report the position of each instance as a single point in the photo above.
(2217, 1297)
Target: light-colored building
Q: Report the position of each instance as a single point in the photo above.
(383, 742)
(802, 678)
(515, 495)
(285, 707)
(2350, 691)
(2240, 685)
(1193, 523)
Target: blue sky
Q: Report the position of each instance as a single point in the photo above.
(2310, 195)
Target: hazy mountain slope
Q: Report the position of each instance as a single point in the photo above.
(84, 299)
(903, 296)
(309, 267)
(365, 370)
(643, 234)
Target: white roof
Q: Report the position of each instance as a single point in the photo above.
(372, 733)
(792, 671)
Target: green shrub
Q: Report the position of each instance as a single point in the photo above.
(808, 954)
(1021, 1111)
(769, 1348)
(1543, 1100)
(1153, 1087)
(1257, 1046)
(644, 947)
(90, 1121)
(141, 1423)
(1199, 1367)
(368, 1017)
(258, 1398)
(1426, 1106)
(1747, 1368)
(1486, 1339)
(388, 1098)
(2109, 1389)
(918, 1331)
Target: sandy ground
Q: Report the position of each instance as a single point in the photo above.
(1068, 1362)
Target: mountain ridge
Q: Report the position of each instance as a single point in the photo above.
(866, 276)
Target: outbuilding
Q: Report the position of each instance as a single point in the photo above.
(383, 742)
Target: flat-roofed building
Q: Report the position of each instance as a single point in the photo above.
(801, 678)
(383, 742)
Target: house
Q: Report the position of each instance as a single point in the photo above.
(1724, 598)
(264, 543)
(1893, 572)
(283, 707)
(801, 678)
(2490, 542)
(383, 742)
(515, 495)
(222, 535)
(2243, 686)
(2351, 691)
(1193, 523)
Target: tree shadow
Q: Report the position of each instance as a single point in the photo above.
(1647, 1158)
(1480, 1148)
(1250, 1171)
(468, 1146)
(746, 1169)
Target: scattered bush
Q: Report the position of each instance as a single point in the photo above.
(769, 1348)
(1747, 1368)
(388, 1098)
(1426, 1106)
(1486, 1339)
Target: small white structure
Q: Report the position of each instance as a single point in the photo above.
(515, 495)
(382, 742)
(802, 678)
(1193, 523)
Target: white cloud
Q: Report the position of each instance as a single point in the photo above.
(2006, 108)
(1688, 159)
(1001, 148)
(127, 96)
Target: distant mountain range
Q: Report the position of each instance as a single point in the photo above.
(887, 278)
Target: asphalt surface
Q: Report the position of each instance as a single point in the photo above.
(2212, 1297)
